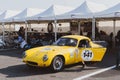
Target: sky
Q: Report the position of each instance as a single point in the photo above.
(44, 4)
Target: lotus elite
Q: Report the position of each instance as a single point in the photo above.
(66, 50)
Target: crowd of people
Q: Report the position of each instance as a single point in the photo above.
(35, 38)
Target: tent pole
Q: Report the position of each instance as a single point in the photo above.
(26, 30)
(114, 25)
(93, 28)
(3, 26)
(55, 22)
(79, 28)
(10, 28)
(30, 27)
(14, 26)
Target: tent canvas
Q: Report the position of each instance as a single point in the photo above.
(110, 12)
(7, 14)
(51, 12)
(21, 17)
(83, 10)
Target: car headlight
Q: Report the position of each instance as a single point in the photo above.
(23, 54)
(45, 58)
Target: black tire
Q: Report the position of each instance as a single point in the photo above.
(57, 64)
(50, 27)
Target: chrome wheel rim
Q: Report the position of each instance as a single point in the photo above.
(57, 63)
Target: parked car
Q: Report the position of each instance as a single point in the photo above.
(66, 50)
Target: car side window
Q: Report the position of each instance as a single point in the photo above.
(71, 42)
(84, 43)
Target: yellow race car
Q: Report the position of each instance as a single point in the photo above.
(66, 50)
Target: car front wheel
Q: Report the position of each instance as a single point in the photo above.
(57, 63)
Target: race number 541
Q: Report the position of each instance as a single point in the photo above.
(87, 55)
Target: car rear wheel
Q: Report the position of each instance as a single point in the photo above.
(57, 63)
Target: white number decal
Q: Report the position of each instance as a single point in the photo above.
(87, 55)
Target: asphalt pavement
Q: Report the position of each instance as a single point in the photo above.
(12, 68)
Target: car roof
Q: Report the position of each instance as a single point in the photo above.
(78, 37)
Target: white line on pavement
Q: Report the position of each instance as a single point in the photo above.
(94, 73)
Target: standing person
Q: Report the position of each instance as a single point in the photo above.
(117, 38)
(111, 39)
(21, 37)
(21, 32)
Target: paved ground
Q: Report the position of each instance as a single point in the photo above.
(12, 68)
(108, 75)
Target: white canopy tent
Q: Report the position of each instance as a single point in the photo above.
(83, 10)
(21, 17)
(107, 13)
(53, 13)
(112, 13)
(50, 14)
(6, 14)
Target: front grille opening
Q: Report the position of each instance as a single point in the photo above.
(32, 63)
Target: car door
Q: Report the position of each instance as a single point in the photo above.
(89, 53)
(86, 52)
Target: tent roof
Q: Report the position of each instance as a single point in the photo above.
(85, 10)
(51, 11)
(115, 8)
(28, 12)
(88, 7)
(24, 14)
(110, 12)
(7, 14)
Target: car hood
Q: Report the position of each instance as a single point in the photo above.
(51, 49)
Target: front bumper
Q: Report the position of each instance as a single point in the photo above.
(37, 63)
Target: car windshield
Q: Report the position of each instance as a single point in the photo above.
(66, 42)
